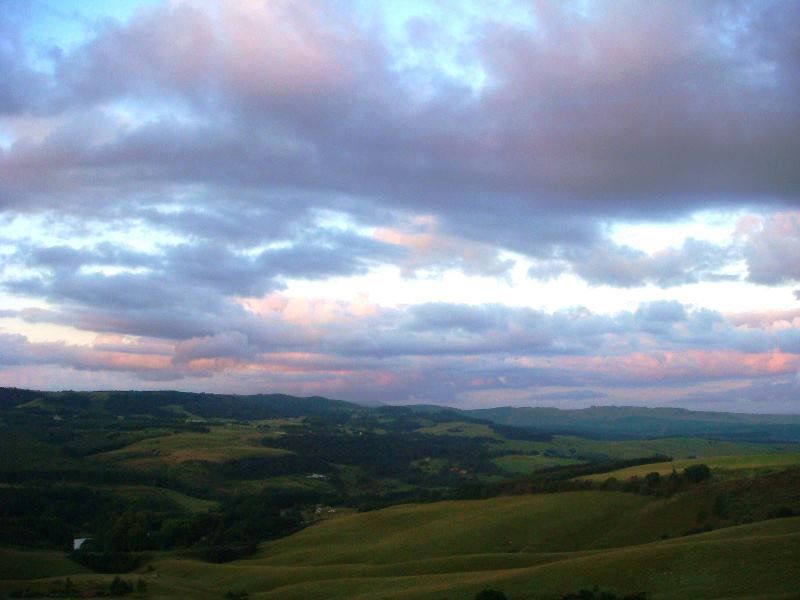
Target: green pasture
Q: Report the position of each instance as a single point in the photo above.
(150, 494)
(462, 428)
(338, 559)
(733, 462)
(523, 464)
(677, 447)
(33, 564)
(531, 547)
(224, 442)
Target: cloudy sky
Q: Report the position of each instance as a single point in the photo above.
(473, 204)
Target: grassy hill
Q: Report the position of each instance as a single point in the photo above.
(216, 444)
(558, 543)
(531, 547)
(284, 492)
(18, 564)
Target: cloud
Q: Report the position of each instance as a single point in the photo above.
(163, 179)
(230, 344)
(660, 341)
(17, 350)
(621, 266)
(160, 280)
(688, 365)
(777, 396)
(772, 248)
(616, 111)
(426, 248)
(766, 319)
(21, 88)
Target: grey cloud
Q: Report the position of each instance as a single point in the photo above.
(547, 269)
(68, 258)
(789, 340)
(12, 349)
(663, 311)
(459, 330)
(776, 395)
(17, 350)
(622, 113)
(22, 89)
(445, 316)
(445, 350)
(319, 254)
(229, 344)
(200, 270)
(659, 116)
(241, 225)
(610, 264)
(660, 316)
(772, 250)
(659, 99)
(185, 292)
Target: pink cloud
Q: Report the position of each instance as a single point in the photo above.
(276, 51)
(771, 319)
(686, 365)
(429, 249)
(310, 311)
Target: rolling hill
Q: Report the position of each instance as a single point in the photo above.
(198, 495)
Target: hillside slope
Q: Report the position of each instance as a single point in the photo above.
(535, 547)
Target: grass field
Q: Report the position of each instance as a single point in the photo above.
(222, 443)
(523, 464)
(570, 447)
(531, 547)
(31, 564)
(462, 428)
(735, 463)
(534, 547)
(453, 550)
(742, 562)
(134, 493)
(676, 447)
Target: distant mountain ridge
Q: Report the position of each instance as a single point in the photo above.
(597, 421)
(634, 421)
(166, 403)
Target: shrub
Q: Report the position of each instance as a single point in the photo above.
(141, 587)
(597, 594)
(109, 562)
(652, 479)
(697, 473)
(490, 594)
(120, 587)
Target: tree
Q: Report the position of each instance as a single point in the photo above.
(697, 473)
(120, 587)
(652, 479)
(490, 594)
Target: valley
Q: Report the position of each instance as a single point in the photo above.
(194, 495)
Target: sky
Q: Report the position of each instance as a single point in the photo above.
(472, 204)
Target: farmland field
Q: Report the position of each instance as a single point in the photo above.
(223, 442)
(737, 462)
